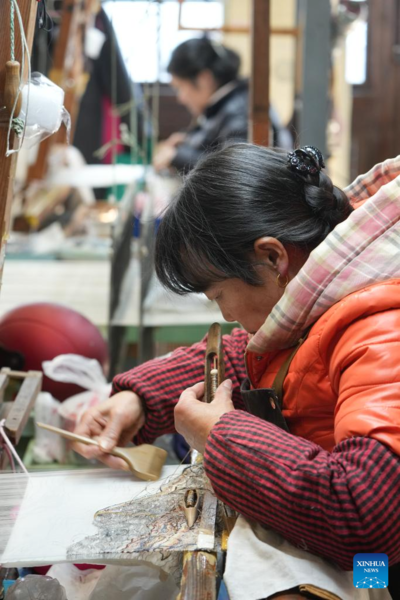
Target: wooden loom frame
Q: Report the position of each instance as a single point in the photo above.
(17, 412)
(28, 10)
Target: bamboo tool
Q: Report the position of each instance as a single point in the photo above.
(214, 372)
(214, 376)
(214, 365)
(144, 461)
(200, 567)
(192, 500)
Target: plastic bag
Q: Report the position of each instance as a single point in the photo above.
(85, 372)
(78, 584)
(36, 587)
(42, 109)
(47, 447)
(142, 581)
(73, 368)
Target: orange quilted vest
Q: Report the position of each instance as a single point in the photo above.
(344, 380)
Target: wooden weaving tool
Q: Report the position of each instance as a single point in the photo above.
(200, 567)
(11, 88)
(145, 461)
(214, 372)
(214, 364)
(16, 413)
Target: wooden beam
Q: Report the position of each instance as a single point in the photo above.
(199, 576)
(7, 165)
(283, 31)
(315, 22)
(23, 404)
(290, 31)
(259, 125)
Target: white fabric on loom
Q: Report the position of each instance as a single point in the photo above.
(58, 510)
(261, 563)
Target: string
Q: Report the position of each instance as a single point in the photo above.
(12, 492)
(9, 455)
(12, 31)
(11, 447)
(18, 125)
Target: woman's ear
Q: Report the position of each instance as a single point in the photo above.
(206, 82)
(272, 253)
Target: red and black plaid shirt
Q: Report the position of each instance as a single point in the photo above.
(332, 504)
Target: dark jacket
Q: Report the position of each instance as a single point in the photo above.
(225, 120)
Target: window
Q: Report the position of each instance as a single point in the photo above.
(148, 32)
(356, 53)
(357, 42)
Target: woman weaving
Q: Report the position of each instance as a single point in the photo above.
(300, 265)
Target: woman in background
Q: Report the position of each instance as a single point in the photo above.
(205, 75)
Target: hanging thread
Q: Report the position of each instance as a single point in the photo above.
(11, 447)
(12, 30)
(17, 124)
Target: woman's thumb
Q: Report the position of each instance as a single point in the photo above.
(224, 390)
(227, 384)
(111, 434)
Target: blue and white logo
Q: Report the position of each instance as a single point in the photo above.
(371, 571)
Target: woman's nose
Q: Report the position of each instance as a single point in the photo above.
(227, 316)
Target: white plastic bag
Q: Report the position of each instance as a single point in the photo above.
(85, 372)
(73, 368)
(77, 584)
(47, 447)
(42, 109)
(142, 581)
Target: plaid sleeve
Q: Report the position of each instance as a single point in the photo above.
(331, 504)
(160, 382)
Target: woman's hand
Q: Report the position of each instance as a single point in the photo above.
(176, 139)
(163, 156)
(195, 419)
(166, 151)
(114, 422)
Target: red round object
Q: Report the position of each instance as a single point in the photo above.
(42, 331)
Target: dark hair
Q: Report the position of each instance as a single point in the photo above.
(233, 197)
(193, 56)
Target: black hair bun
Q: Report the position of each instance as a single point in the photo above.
(328, 203)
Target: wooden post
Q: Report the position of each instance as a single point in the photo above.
(7, 165)
(259, 93)
(199, 575)
(315, 23)
(63, 62)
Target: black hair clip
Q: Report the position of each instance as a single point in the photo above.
(307, 160)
